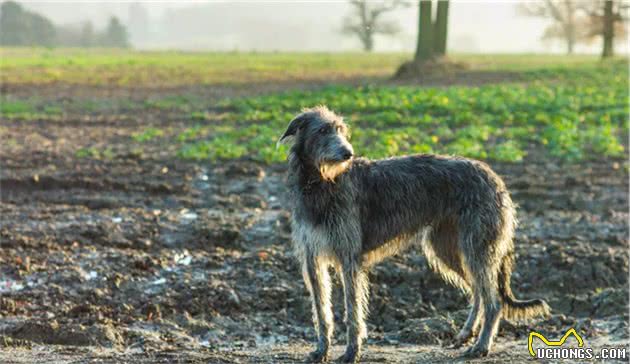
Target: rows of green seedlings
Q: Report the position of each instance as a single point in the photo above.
(570, 114)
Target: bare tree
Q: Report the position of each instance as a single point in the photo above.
(367, 20)
(606, 18)
(566, 15)
(431, 42)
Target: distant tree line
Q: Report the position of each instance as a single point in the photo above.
(582, 21)
(574, 21)
(20, 27)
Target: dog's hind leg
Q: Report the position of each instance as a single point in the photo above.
(444, 255)
(442, 251)
(478, 259)
(317, 280)
(356, 291)
(492, 315)
(472, 323)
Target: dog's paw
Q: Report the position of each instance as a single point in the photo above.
(458, 341)
(351, 355)
(454, 344)
(475, 351)
(317, 356)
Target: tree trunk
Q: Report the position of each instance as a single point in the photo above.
(365, 34)
(424, 49)
(440, 29)
(368, 42)
(609, 29)
(570, 27)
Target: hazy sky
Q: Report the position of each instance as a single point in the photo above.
(474, 26)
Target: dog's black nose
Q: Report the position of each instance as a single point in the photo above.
(346, 155)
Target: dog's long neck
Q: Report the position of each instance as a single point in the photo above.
(303, 174)
(313, 196)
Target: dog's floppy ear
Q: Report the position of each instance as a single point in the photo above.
(292, 129)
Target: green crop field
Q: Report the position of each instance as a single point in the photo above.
(570, 108)
(572, 114)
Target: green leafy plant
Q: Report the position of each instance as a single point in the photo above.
(147, 134)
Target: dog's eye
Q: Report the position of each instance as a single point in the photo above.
(323, 130)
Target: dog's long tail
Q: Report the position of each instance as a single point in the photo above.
(513, 308)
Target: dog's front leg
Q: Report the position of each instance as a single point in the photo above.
(356, 290)
(317, 281)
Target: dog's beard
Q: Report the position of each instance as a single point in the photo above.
(330, 171)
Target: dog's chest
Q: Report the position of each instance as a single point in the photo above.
(332, 239)
(324, 221)
(310, 239)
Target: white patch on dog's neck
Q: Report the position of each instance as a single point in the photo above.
(330, 171)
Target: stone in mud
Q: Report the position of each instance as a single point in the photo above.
(253, 201)
(225, 236)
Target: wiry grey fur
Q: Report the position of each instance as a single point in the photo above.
(352, 212)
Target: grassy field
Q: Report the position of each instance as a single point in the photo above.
(572, 108)
(169, 69)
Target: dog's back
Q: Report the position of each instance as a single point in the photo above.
(400, 196)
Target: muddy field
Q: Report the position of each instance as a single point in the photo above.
(143, 257)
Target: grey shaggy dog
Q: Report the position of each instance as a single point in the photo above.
(351, 213)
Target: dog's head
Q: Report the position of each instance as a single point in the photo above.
(320, 137)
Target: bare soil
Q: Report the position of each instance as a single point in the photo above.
(143, 257)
